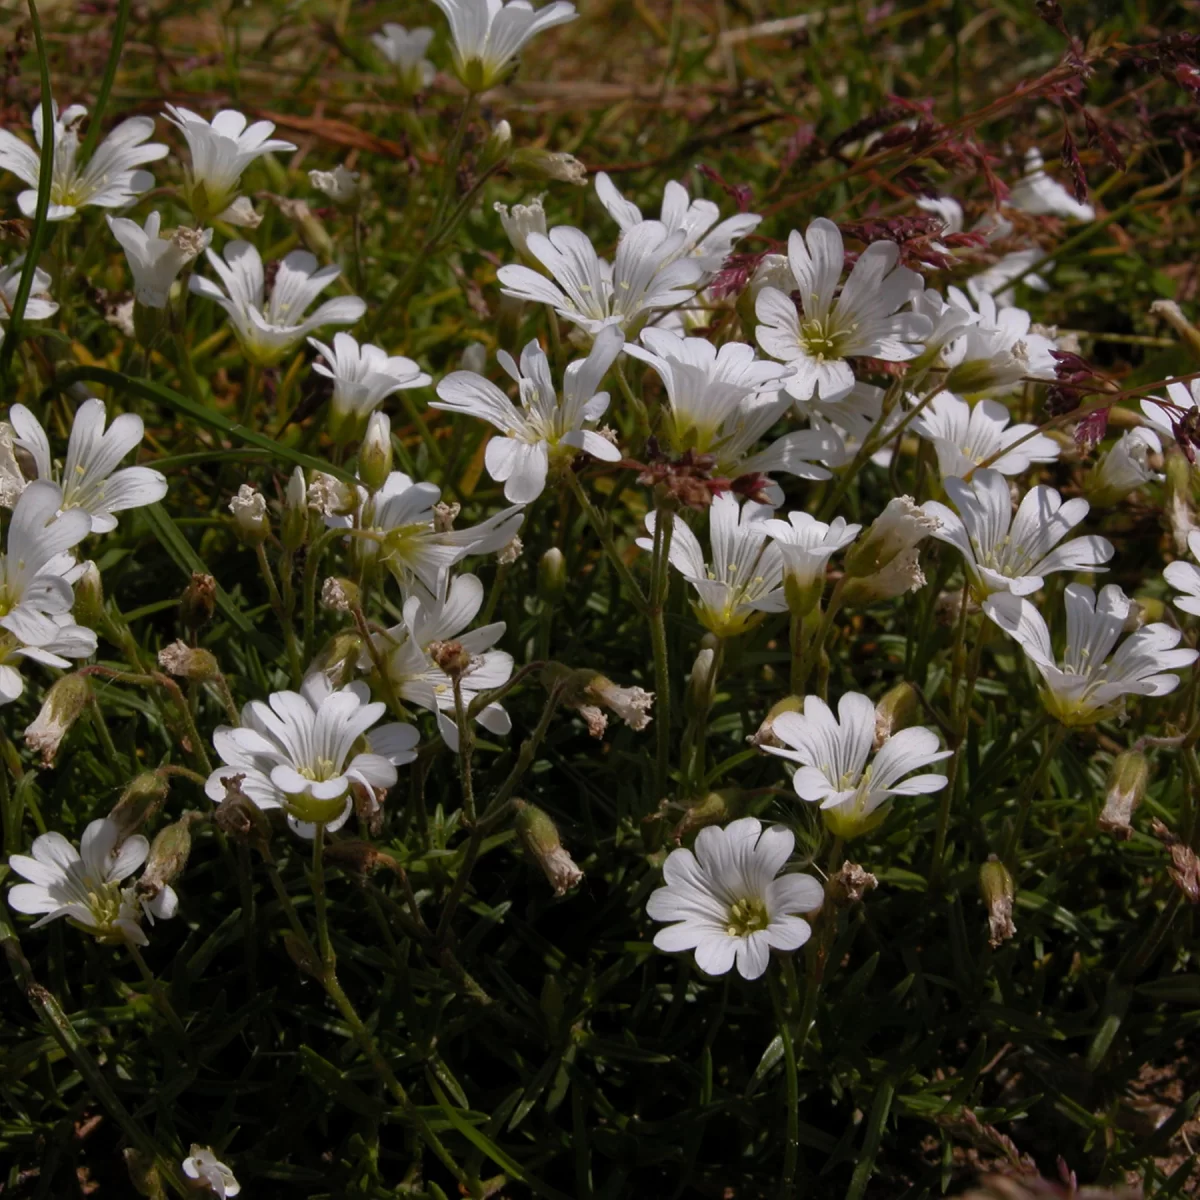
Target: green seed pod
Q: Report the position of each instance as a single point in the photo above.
(896, 710)
(539, 836)
(89, 597)
(998, 890)
(141, 799)
(63, 706)
(552, 575)
(1127, 782)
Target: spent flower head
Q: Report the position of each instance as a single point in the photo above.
(155, 261)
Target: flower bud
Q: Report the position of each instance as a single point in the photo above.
(1122, 469)
(495, 148)
(63, 706)
(765, 734)
(539, 836)
(340, 185)
(702, 682)
(339, 656)
(293, 529)
(1180, 515)
(901, 574)
(249, 510)
(1126, 788)
(896, 710)
(998, 891)
(189, 662)
(552, 575)
(140, 801)
(714, 808)
(897, 530)
(89, 597)
(535, 163)
(375, 453)
(198, 601)
(168, 856)
(523, 220)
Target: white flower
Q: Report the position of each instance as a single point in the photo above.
(806, 546)
(833, 751)
(363, 376)
(90, 480)
(35, 589)
(206, 1166)
(1037, 193)
(705, 385)
(1003, 553)
(845, 420)
(85, 884)
(996, 351)
(221, 150)
(542, 432)
(745, 579)
(862, 322)
(301, 752)
(156, 261)
(707, 238)
(405, 49)
(521, 222)
(901, 527)
(489, 34)
(728, 902)
(946, 208)
(1123, 468)
(38, 307)
(400, 518)
(995, 280)
(646, 276)
(340, 185)
(1182, 398)
(1089, 685)
(110, 180)
(269, 331)
(417, 678)
(966, 435)
(734, 446)
(1185, 577)
(949, 321)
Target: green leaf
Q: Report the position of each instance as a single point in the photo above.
(156, 393)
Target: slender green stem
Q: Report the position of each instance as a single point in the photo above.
(600, 525)
(466, 745)
(253, 386)
(664, 526)
(317, 883)
(312, 571)
(1054, 739)
(791, 1143)
(281, 611)
(815, 644)
(16, 314)
(160, 996)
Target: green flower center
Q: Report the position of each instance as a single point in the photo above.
(821, 341)
(321, 770)
(747, 916)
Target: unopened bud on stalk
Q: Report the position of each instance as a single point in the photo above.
(339, 595)
(998, 891)
(293, 528)
(140, 801)
(338, 658)
(198, 601)
(496, 147)
(189, 662)
(375, 453)
(1122, 469)
(702, 681)
(552, 575)
(901, 574)
(1127, 782)
(1180, 515)
(62, 707)
(539, 836)
(532, 162)
(89, 597)
(896, 710)
(168, 856)
(896, 531)
(715, 808)
(765, 734)
(249, 509)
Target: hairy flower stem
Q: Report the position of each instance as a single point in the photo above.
(250, 389)
(466, 746)
(695, 735)
(635, 401)
(960, 715)
(1012, 844)
(791, 1143)
(312, 571)
(816, 643)
(497, 808)
(604, 532)
(165, 1007)
(660, 581)
(281, 612)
